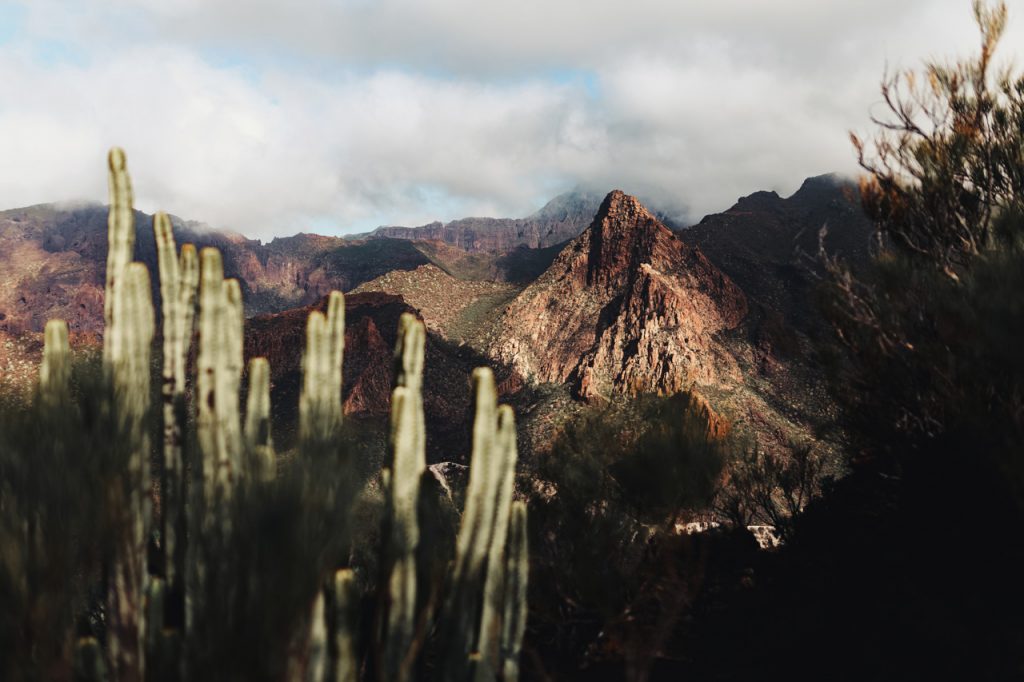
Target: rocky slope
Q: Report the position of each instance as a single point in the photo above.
(768, 245)
(560, 220)
(629, 308)
(451, 307)
(626, 307)
(52, 260)
(371, 328)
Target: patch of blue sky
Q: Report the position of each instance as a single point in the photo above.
(238, 61)
(49, 52)
(588, 80)
(12, 20)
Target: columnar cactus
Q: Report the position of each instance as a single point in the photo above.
(345, 603)
(517, 568)
(211, 282)
(55, 370)
(316, 665)
(228, 384)
(408, 461)
(179, 277)
(503, 470)
(259, 444)
(483, 616)
(219, 369)
(462, 607)
(132, 337)
(120, 243)
(320, 401)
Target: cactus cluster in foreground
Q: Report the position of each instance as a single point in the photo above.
(473, 631)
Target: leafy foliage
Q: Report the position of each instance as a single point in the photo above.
(621, 474)
(770, 489)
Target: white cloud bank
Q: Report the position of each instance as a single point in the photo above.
(333, 115)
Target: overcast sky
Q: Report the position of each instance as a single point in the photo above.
(340, 115)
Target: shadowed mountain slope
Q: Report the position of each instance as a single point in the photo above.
(769, 245)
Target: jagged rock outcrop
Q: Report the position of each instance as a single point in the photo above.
(627, 307)
(560, 220)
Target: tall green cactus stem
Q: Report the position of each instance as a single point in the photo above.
(408, 461)
(213, 378)
(462, 607)
(120, 244)
(211, 284)
(155, 602)
(345, 603)
(503, 469)
(517, 569)
(228, 383)
(316, 664)
(179, 277)
(131, 340)
(320, 400)
(55, 370)
(259, 444)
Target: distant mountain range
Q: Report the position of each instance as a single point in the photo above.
(592, 295)
(560, 220)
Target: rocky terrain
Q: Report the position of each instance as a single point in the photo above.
(626, 307)
(371, 327)
(52, 260)
(454, 308)
(769, 245)
(566, 304)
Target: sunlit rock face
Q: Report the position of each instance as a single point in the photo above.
(626, 307)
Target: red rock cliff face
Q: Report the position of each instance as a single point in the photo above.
(626, 307)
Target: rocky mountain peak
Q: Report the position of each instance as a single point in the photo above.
(626, 305)
(622, 238)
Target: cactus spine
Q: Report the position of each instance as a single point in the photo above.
(179, 277)
(408, 461)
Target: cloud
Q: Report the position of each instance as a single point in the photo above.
(338, 115)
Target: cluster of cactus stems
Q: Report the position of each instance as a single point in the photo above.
(478, 629)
